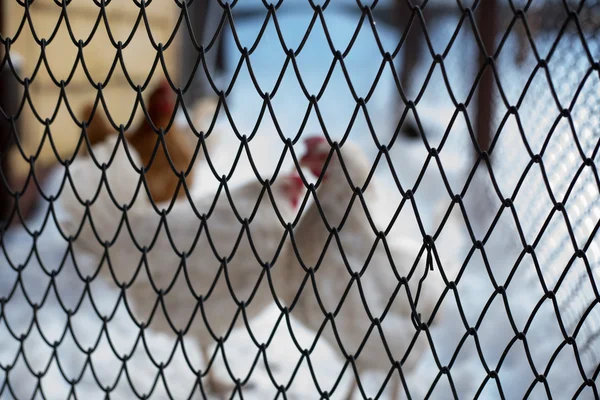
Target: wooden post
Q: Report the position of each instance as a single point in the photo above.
(487, 26)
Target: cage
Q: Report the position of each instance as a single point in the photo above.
(299, 199)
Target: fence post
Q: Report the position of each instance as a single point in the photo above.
(487, 26)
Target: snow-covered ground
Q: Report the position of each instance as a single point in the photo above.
(474, 290)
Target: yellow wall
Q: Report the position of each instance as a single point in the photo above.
(99, 56)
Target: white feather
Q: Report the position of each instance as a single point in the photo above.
(182, 232)
(378, 281)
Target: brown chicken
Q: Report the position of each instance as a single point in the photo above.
(98, 127)
(180, 145)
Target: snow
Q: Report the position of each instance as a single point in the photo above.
(86, 327)
(25, 275)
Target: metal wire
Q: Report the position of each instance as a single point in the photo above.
(571, 22)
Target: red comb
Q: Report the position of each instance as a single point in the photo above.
(313, 141)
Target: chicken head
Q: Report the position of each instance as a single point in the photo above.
(162, 180)
(349, 160)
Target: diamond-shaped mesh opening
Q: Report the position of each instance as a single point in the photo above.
(299, 199)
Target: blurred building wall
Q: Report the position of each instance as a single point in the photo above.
(61, 52)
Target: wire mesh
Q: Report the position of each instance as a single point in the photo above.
(538, 184)
(562, 125)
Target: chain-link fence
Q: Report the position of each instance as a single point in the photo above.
(557, 206)
(196, 239)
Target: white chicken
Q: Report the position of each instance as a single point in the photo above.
(357, 271)
(197, 269)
